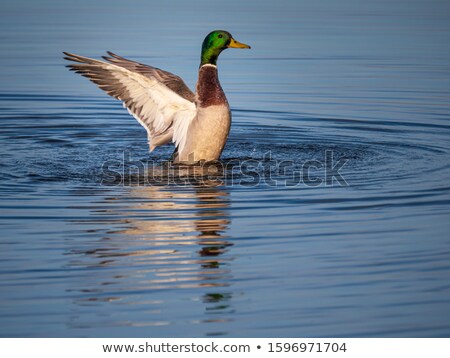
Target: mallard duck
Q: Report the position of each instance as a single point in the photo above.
(161, 102)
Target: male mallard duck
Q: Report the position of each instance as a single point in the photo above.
(198, 123)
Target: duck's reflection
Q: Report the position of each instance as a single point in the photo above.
(160, 239)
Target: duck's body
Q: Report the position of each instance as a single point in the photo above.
(208, 132)
(197, 123)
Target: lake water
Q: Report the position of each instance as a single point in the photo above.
(274, 246)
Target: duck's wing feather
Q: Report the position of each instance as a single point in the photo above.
(148, 93)
(174, 82)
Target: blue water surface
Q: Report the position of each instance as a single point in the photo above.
(98, 238)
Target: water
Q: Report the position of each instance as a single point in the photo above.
(244, 253)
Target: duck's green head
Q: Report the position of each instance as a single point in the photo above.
(215, 43)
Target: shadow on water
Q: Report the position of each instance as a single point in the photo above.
(161, 239)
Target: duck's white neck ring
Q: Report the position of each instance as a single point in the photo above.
(208, 64)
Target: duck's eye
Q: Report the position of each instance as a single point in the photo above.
(220, 36)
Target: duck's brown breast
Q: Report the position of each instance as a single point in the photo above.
(209, 90)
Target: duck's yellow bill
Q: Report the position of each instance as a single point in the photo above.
(236, 44)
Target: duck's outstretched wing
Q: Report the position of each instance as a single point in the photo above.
(173, 82)
(157, 99)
